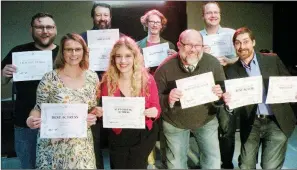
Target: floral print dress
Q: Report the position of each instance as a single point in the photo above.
(67, 153)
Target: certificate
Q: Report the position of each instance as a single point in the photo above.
(154, 55)
(99, 58)
(196, 90)
(96, 38)
(31, 65)
(282, 89)
(63, 120)
(123, 112)
(220, 44)
(244, 91)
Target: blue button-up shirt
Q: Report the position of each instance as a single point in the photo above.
(253, 69)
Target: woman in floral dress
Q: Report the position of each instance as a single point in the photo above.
(70, 82)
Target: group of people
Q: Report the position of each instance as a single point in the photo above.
(211, 124)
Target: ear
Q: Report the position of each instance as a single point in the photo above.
(254, 43)
(31, 29)
(178, 45)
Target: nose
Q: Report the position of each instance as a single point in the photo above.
(123, 59)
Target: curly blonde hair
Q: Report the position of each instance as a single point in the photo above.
(144, 19)
(140, 75)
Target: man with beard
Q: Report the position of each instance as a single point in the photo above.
(101, 14)
(43, 29)
(268, 124)
(200, 120)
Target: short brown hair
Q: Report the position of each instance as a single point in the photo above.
(60, 61)
(145, 17)
(243, 30)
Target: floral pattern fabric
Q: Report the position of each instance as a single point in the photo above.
(67, 153)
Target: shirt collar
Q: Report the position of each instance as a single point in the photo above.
(218, 32)
(253, 62)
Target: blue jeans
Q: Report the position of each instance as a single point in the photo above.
(177, 145)
(274, 145)
(25, 146)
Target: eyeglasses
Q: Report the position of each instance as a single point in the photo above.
(70, 50)
(210, 12)
(190, 46)
(154, 22)
(41, 28)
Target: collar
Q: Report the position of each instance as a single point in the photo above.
(254, 61)
(218, 32)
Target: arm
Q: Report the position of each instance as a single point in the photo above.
(160, 79)
(42, 93)
(283, 71)
(7, 69)
(152, 103)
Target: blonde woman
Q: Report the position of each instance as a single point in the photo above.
(70, 82)
(126, 76)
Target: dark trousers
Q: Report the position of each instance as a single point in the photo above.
(130, 148)
(264, 131)
(227, 129)
(97, 137)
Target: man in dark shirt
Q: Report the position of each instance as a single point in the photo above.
(101, 14)
(43, 29)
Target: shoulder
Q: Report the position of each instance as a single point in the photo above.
(92, 75)
(210, 58)
(23, 47)
(50, 76)
(141, 43)
(169, 62)
(227, 30)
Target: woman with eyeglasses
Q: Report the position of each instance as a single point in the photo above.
(70, 82)
(126, 76)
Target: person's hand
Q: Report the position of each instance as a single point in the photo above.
(224, 60)
(227, 98)
(206, 49)
(174, 96)
(151, 112)
(8, 70)
(217, 90)
(171, 52)
(33, 122)
(97, 111)
(91, 119)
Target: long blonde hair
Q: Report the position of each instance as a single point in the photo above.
(140, 75)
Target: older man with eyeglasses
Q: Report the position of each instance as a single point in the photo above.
(43, 29)
(200, 120)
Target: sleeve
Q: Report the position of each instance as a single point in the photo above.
(7, 59)
(153, 100)
(43, 91)
(95, 100)
(283, 71)
(219, 77)
(171, 46)
(160, 79)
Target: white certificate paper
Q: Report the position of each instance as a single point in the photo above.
(31, 65)
(123, 112)
(282, 89)
(63, 120)
(154, 55)
(220, 44)
(196, 90)
(244, 91)
(96, 38)
(99, 58)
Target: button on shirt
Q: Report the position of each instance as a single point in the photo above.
(253, 70)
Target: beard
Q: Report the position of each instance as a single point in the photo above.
(41, 43)
(190, 59)
(103, 24)
(244, 53)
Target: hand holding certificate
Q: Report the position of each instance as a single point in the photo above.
(282, 90)
(31, 65)
(196, 90)
(220, 44)
(244, 91)
(123, 112)
(63, 120)
(154, 55)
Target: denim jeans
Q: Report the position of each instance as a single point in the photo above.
(177, 145)
(274, 145)
(25, 146)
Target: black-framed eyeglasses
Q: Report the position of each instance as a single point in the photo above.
(190, 46)
(70, 50)
(41, 28)
(154, 22)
